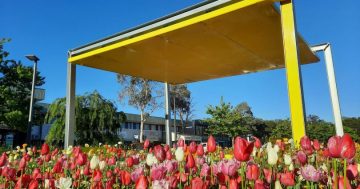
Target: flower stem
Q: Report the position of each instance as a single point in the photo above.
(345, 179)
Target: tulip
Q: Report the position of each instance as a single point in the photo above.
(316, 144)
(45, 149)
(22, 164)
(200, 150)
(229, 167)
(192, 147)
(3, 159)
(277, 185)
(157, 172)
(190, 162)
(129, 161)
(352, 171)
(160, 184)
(142, 183)
(252, 172)
(333, 145)
(112, 161)
(180, 142)
(170, 166)
(102, 165)
(205, 170)
(342, 183)
(301, 156)
(305, 144)
(267, 175)
(94, 162)
(347, 147)
(259, 184)
(159, 153)
(151, 160)
(242, 149)
(272, 156)
(36, 174)
(146, 144)
(81, 159)
(287, 159)
(125, 178)
(197, 183)
(287, 179)
(211, 144)
(97, 175)
(179, 154)
(57, 167)
(309, 173)
(257, 142)
(233, 184)
(168, 155)
(63, 183)
(34, 184)
(222, 155)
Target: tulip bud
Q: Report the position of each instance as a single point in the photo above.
(179, 154)
(211, 144)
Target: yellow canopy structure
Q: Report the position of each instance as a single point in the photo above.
(236, 39)
(210, 40)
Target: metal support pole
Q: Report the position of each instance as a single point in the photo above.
(332, 85)
(293, 72)
(167, 114)
(70, 105)
(29, 127)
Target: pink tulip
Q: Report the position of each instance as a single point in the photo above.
(200, 150)
(259, 184)
(252, 172)
(268, 175)
(158, 172)
(305, 143)
(142, 183)
(159, 153)
(301, 156)
(180, 142)
(310, 173)
(316, 144)
(229, 167)
(348, 149)
(136, 173)
(146, 144)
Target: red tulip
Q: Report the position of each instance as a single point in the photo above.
(166, 147)
(97, 175)
(81, 159)
(268, 175)
(233, 184)
(352, 171)
(259, 184)
(180, 142)
(36, 174)
(55, 152)
(45, 149)
(316, 144)
(190, 162)
(301, 156)
(34, 184)
(141, 183)
(242, 149)
(200, 150)
(168, 155)
(146, 144)
(252, 172)
(222, 155)
(333, 145)
(287, 179)
(112, 161)
(3, 159)
(159, 153)
(22, 164)
(341, 183)
(347, 147)
(125, 178)
(211, 144)
(305, 143)
(257, 142)
(192, 147)
(57, 167)
(129, 161)
(197, 183)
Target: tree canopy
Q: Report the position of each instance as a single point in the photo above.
(15, 90)
(97, 119)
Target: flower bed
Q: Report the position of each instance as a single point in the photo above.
(247, 165)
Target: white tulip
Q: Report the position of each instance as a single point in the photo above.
(94, 162)
(102, 165)
(291, 167)
(151, 160)
(272, 157)
(179, 154)
(87, 145)
(63, 183)
(278, 185)
(287, 159)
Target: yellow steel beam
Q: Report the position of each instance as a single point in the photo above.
(200, 18)
(293, 71)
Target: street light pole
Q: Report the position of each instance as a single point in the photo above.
(34, 59)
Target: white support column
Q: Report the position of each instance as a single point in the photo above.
(167, 113)
(70, 106)
(332, 85)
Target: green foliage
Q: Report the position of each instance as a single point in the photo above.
(353, 123)
(225, 121)
(282, 129)
(181, 95)
(96, 119)
(15, 90)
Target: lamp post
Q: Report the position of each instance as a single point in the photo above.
(34, 59)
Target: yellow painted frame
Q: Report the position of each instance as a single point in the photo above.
(293, 72)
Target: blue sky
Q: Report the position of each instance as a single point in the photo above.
(50, 28)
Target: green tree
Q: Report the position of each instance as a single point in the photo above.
(224, 121)
(15, 90)
(180, 103)
(140, 93)
(282, 129)
(97, 119)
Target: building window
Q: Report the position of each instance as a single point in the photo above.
(126, 125)
(157, 127)
(137, 126)
(146, 127)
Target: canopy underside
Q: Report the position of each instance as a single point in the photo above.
(242, 41)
